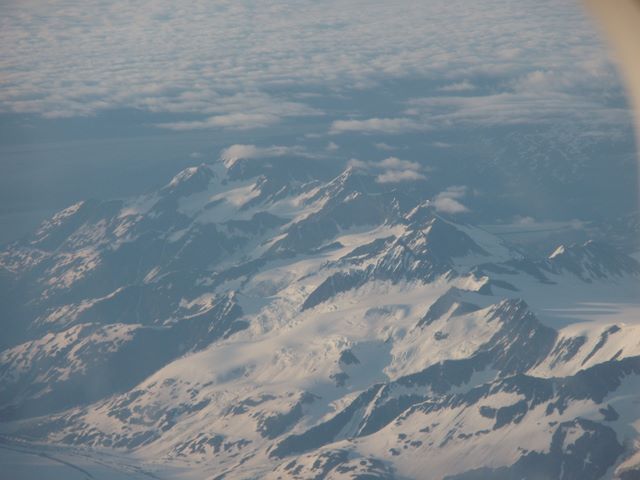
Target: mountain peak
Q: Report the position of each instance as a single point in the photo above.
(190, 180)
(592, 261)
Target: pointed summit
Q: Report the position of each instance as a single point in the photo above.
(592, 261)
(190, 180)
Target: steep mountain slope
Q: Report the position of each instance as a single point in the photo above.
(253, 319)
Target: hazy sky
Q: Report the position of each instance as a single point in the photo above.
(105, 98)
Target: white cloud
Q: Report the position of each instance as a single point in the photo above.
(391, 169)
(332, 147)
(240, 121)
(376, 125)
(240, 65)
(244, 112)
(384, 146)
(519, 108)
(396, 164)
(243, 152)
(397, 176)
(448, 201)
(449, 205)
(463, 86)
(524, 220)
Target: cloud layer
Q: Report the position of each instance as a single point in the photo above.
(232, 64)
(449, 200)
(392, 170)
(376, 125)
(245, 152)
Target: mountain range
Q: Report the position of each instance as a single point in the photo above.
(271, 318)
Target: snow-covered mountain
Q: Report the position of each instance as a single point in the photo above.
(259, 319)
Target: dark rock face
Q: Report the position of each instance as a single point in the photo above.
(325, 432)
(115, 357)
(451, 299)
(524, 334)
(337, 462)
(335, 284)
(587, 454)
(348, 358)
(272, 426)
(356, 209)
(528, 343)
(189, 181)
(423, 254)
(609, 414)
(603, 339)
(633, 474)
(522, 342)
(566, 349)
(591, 261)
